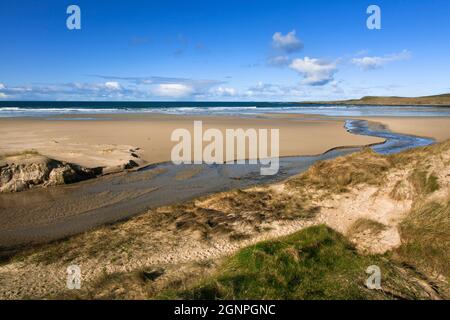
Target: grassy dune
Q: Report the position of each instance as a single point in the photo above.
(270, 242)
(319, 263)
(341, 174)
(315, 263)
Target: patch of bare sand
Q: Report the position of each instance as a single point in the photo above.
(383, 204)
(70, 148)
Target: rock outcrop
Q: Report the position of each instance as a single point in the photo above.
(22, 173)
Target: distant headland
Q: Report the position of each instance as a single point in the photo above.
(435, 100)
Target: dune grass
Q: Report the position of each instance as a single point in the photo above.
(315, 263)
(423, 182)
(363, 224)
(425, 234)
(339, 175)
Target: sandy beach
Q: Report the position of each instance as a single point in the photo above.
(107, 140)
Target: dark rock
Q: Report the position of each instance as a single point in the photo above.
(131, 164)
(5, 175)
(62, 175)
(152, 275)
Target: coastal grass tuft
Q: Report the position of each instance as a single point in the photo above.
(364, 225)
(266, 204)
(315, 263)
(423, 182)
(425, 235)
(342, 173)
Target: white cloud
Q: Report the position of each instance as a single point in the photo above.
(112, 85)
(279, 61)
(288, 43)
(2, 94)
(223, 92)
(314, 71)
(374, 62)
(277, 92)
(94, 87)
(264, 90)
(173, 90)
(116, 88)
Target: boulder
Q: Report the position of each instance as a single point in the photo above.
(62, 175)
(18, 175)
(32, 174)
(5, 175)
(14, 186)
(130, 164)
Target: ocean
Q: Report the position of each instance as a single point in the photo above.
(56, 108)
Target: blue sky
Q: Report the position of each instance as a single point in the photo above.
(230, 50)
